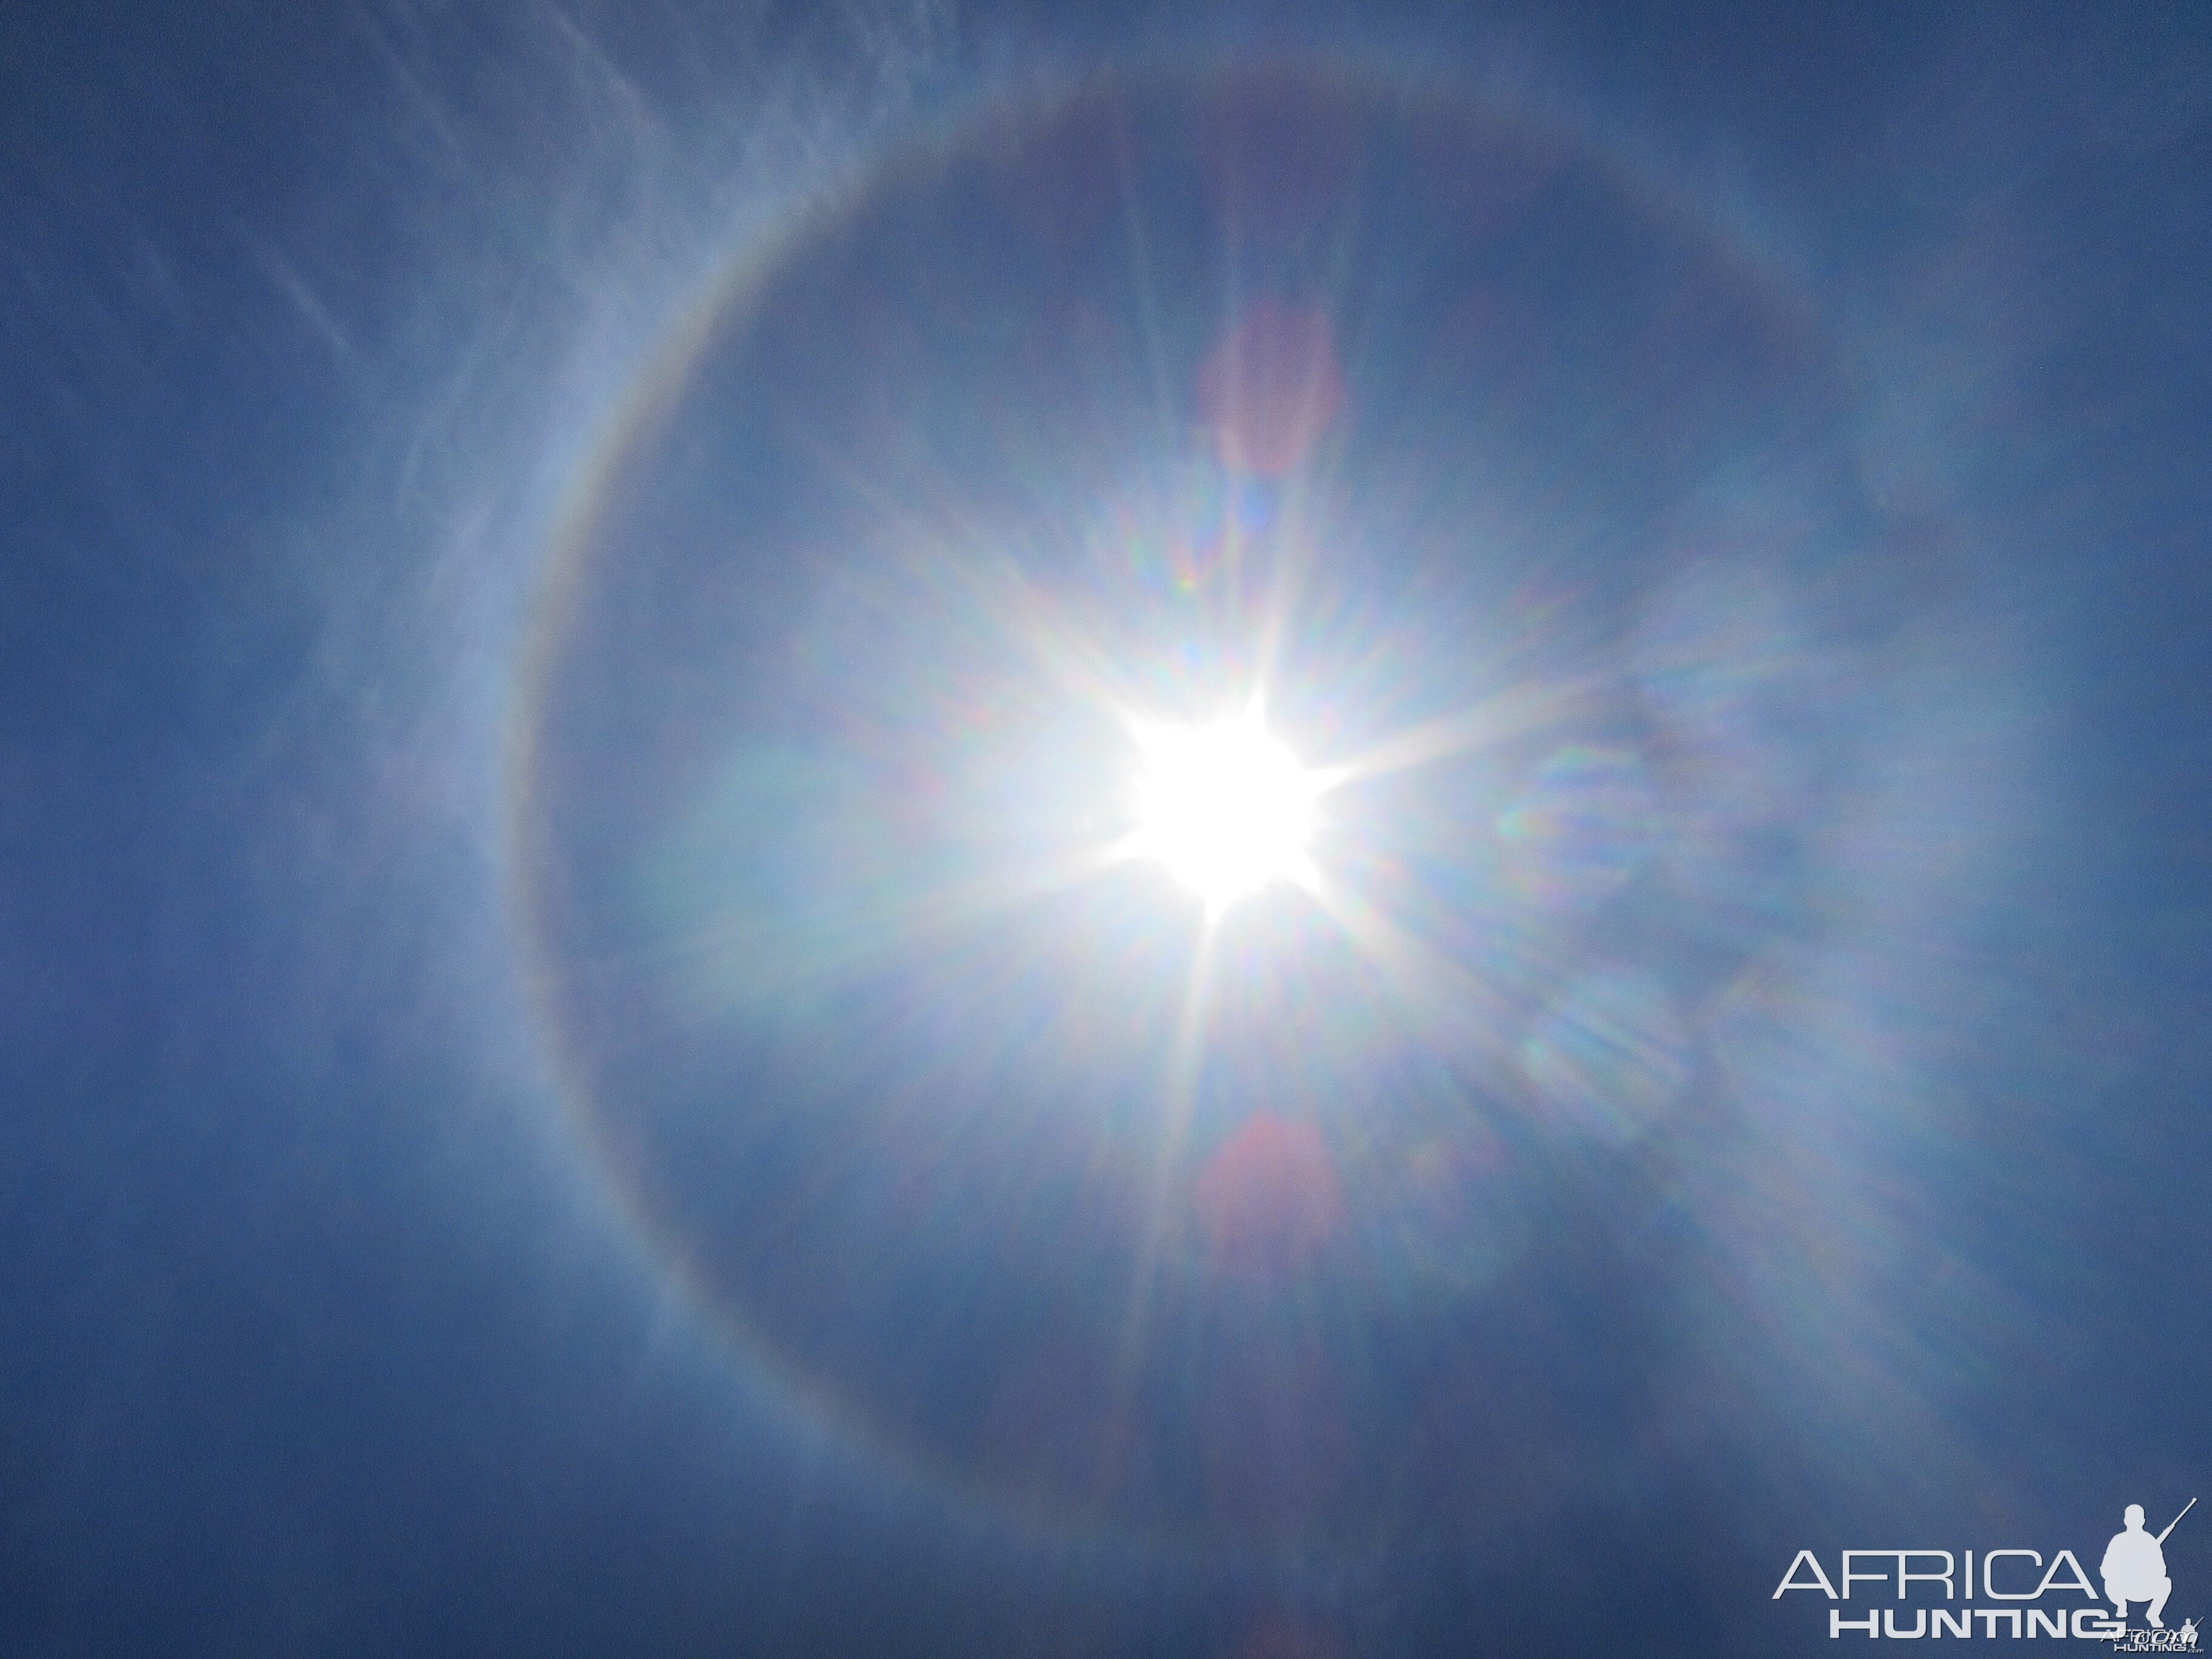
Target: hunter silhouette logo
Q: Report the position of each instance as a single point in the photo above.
(2135, 1566)
(2133, 1571)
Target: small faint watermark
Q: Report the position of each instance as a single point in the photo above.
(2138, 1640)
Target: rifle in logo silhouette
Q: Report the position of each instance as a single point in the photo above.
(2176, 1522)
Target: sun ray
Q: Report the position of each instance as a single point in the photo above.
(1180, 1100)
(1446, 1003)
(968, 552)
(935, 912)
(1500, 718)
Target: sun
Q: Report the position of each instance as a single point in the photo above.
(1226, 806)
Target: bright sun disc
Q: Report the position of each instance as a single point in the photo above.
(1226, 807)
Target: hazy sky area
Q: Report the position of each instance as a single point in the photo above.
(589, 1061)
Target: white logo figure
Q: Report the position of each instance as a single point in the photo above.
(2135, 1565)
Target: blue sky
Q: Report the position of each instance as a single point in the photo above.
(468, 600)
